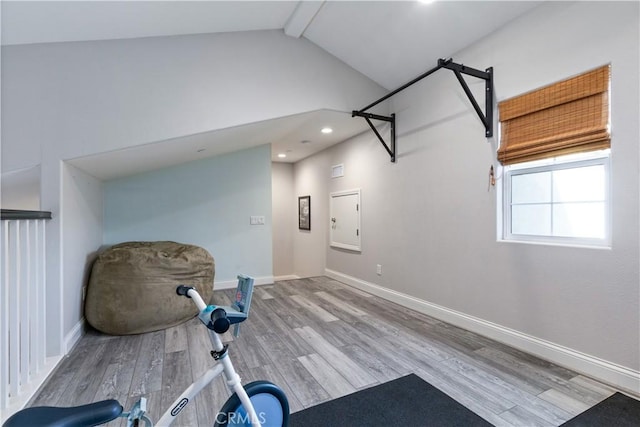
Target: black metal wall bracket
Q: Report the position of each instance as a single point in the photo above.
(391, 148)
(458, 69)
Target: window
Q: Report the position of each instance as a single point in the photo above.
(560, 200)
(555, 145)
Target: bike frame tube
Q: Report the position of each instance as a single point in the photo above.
(233, 379)
(197, 299)
(216, 342)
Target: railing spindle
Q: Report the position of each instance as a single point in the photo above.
(14, 298)
(4, 319)
(25, 302)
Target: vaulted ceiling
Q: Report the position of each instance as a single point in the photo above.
(388, 41)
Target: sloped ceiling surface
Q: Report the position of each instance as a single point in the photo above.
(26, 22)
(394, 41)
(387, 41)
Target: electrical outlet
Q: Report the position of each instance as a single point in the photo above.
(379, 269)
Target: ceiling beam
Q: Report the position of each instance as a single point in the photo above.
(301, 17)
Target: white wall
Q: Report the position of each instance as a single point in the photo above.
(430, 220)
(284, 222)
(82, 230)
(21, 189)
(90, 97)
(206, 203)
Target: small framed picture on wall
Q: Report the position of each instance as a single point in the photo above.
(304, 213)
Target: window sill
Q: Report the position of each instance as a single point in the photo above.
(605, 246)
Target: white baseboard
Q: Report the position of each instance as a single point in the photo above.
(73, 336)
(619, 376)
(232, 284)
(288, 277)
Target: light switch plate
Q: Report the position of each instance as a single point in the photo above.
(256, 220)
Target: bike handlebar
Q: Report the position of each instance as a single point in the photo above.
(191, 292)
(218, 320)
(183, 290)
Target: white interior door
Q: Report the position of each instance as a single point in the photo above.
(345, 220)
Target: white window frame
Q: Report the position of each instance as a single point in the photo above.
(558, 163)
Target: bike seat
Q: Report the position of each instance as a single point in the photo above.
(92, 414)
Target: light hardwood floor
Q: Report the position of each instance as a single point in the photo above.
(319, 339)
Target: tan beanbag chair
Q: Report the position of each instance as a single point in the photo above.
(132, 288)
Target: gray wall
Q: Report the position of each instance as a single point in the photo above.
(309, 246)
(21, 189)
(206, 203)
(82, 231)
(431, 221)
(284, 222)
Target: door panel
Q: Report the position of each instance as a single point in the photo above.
(345, 220)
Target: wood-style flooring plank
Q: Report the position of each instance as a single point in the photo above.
(210, 400)
(176, 378)
(341, 304)
(465, 399)
(381, 370)
(546, 377)
(516, 415)
(59, 381)
(175, 338)
(539, 407)
(322, 314)
(88, 378)
(304, 386)
(459, 385)
(602, 389)
(571, 405)
(284, 311)
(276, 349)
(262, 292)
(325, 374)
(147, 376)
(116, 381)
(357, 376)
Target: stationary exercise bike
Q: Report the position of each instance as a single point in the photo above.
(257, 404)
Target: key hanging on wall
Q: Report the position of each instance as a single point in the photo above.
(492, 179)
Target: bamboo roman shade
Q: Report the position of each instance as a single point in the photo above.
(567, 117)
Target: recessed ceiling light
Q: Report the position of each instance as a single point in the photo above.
(282, 155)
(326, 130)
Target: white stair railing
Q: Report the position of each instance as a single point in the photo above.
(24, 364)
